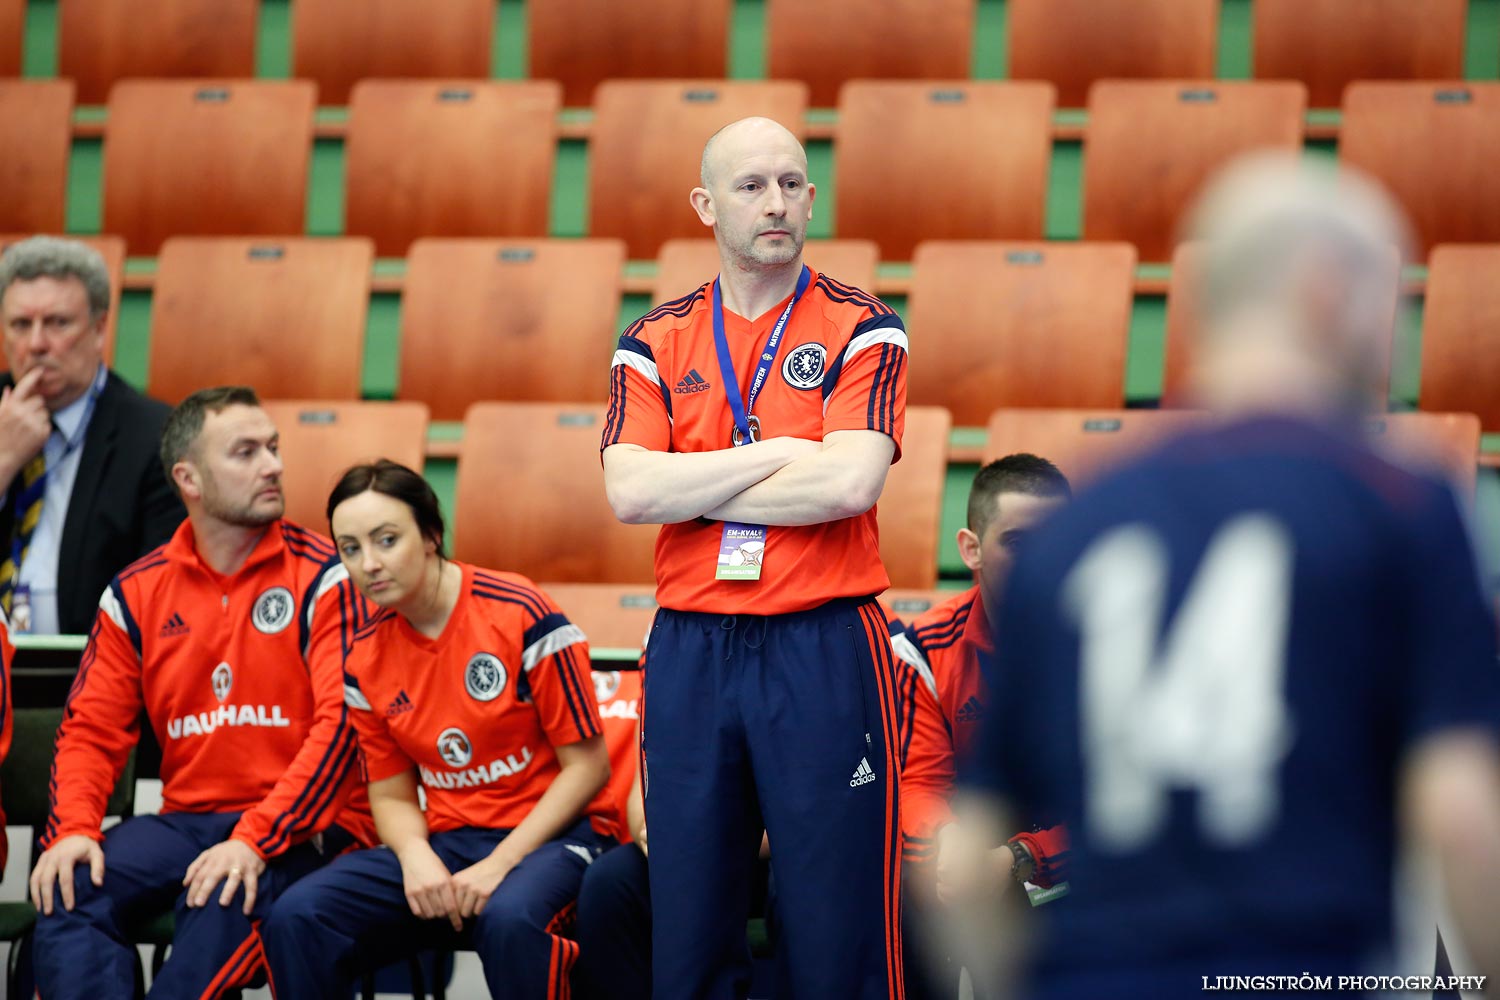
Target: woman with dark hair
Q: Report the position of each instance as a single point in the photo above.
(473, 686)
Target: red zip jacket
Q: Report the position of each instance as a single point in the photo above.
(242, 679)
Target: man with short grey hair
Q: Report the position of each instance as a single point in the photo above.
(84, 494)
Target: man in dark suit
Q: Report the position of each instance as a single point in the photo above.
(84, 492)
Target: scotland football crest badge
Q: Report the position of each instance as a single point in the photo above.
(484, 677)
(272, 611)
(804, 367)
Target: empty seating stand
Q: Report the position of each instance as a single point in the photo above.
(830, 42)
(1072, 43)
(942, 160)
(1019, 324)
(508, 320)
(340, 42)
(1085, 444)
(284, 316)
(581, 43)
(449, 158)
(531, 497)
(206, 158)
(1150, 145)
(1328, 44)
(1434, 146)
(1461, 333)
(102, 41)
(36, 129)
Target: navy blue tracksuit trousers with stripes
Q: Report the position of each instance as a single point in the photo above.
(83, 954)
(353, 916)
(785, 723)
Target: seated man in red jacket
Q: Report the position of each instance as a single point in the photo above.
(945, 692)
(231, 638)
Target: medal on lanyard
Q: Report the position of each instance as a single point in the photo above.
(742, 547)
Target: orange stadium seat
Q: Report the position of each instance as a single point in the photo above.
(612, 615)
(582, 43)
(1149, 146)
(942, 161)
(490, 319)
(910, 510)
(101, 41)
(339, 42)
(12, 34)
(206, 158)
(1084, 443)
(1019, 324)
(1072, 43)
(530, 497)
(36, 129)
(1187, 264)
(1328, 44)
(286, 317)
(647, 143)
(112, 249)
(1435, 146)
(683, 265)
(449, 158)
(906, 603)
(1461, 333)
(322, 438)
(1443, 444)
(827, 43)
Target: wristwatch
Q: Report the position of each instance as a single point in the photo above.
(1022, 862)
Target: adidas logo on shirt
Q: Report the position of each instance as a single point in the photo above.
(863, 774)
(400, 706)
(175, 626)
(691, 382)
(972, 710)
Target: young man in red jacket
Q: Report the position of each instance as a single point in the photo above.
(231, 638)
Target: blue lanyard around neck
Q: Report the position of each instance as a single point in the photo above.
(742, 408)
(73, 443)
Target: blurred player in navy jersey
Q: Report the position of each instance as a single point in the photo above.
(1244, 668)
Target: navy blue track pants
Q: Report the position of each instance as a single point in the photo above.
(83, 954)
(353, 915)
(785, 723)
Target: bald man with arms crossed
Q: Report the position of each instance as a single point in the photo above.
(755, 420)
